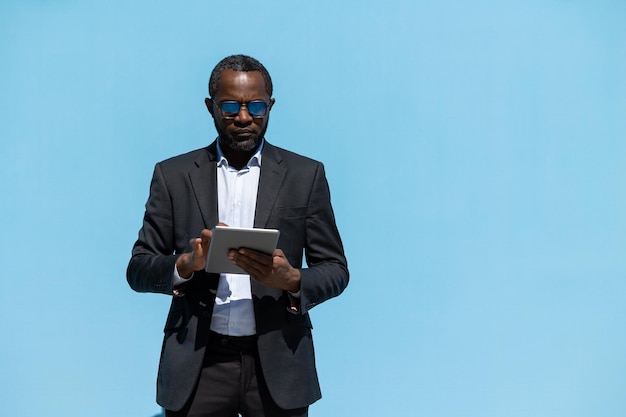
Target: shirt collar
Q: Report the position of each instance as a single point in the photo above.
(255, 160)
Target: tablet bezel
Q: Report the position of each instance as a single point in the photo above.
(224, 238)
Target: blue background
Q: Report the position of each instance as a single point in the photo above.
(476, 152)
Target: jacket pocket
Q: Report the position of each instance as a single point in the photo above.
(291, 212)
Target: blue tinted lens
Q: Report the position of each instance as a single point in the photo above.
(257, 108)
(230, 108)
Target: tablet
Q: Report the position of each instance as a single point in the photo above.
(225, 238)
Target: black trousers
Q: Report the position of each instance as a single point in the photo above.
(232, 384)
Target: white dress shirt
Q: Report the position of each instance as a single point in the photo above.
(233, 313)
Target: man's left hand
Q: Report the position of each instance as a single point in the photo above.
(270, 270)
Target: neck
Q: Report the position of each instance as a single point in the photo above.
(237, 158)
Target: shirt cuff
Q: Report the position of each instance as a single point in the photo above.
(177, 280)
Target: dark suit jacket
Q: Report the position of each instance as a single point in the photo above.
(293, 197)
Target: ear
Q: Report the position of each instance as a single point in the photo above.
(209, 105)
(272, 101)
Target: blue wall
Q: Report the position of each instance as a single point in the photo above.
(476, 152)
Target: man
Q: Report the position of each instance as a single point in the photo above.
(239, 343)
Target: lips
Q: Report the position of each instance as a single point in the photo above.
(243, 133)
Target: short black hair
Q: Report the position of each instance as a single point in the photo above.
(239, 63)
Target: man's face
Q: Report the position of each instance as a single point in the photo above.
(243, 132)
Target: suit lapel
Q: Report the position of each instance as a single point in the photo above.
(270, 180)
(272, 174)
(203, 177)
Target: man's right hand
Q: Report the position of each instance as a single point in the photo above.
(190, 262)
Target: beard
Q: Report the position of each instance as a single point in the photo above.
(242, 146)
(247, 145)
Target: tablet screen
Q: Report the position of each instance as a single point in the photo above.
(225, 238)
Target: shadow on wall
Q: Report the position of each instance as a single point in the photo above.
(161, 414)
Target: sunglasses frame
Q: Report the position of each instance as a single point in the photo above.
(240, 104)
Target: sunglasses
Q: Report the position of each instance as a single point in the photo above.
(230, 109)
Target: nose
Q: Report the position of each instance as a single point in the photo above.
(243, 116)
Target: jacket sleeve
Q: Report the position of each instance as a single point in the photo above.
(153, 256)
(327, 273)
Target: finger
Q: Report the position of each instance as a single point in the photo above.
(258, 270)
(194, 243)
(247, 266)
(256, 256)
(205, 236)
(197, 247)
